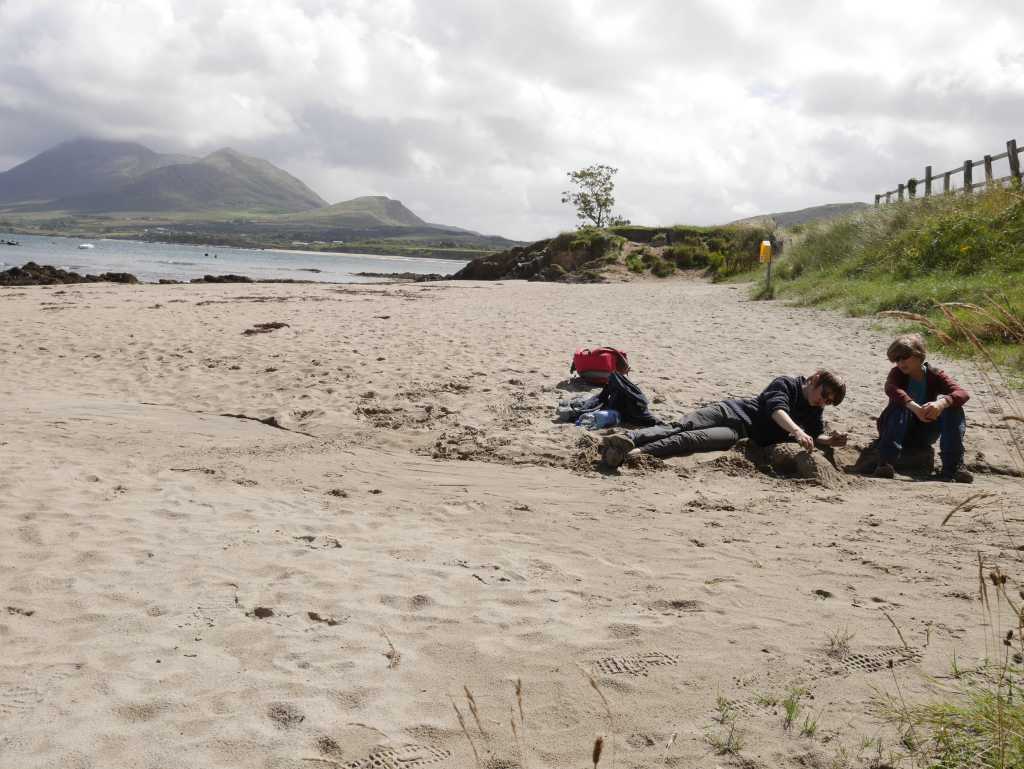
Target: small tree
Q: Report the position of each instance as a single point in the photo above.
(594, 195)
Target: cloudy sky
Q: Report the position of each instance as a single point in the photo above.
(472, 111)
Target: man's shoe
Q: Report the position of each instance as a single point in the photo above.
(885, 470)
(958, 474)
(614, 449)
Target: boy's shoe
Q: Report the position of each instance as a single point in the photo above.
(885, 470)
(958, 474)
(614, 449)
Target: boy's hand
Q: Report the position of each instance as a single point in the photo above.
(803, 439)
(930, 411)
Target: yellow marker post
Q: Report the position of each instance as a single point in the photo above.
(766, 258)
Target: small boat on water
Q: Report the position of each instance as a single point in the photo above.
(86, 246)
(10, 242)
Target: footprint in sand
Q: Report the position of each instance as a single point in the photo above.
(635, 665)
(408, 756)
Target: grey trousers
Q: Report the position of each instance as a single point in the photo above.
(712, 428)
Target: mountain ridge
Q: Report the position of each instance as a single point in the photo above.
(123, 189)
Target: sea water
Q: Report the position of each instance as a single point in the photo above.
(150, 262)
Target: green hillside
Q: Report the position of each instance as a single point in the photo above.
(369, 211)
(787, 219)
(223, 181)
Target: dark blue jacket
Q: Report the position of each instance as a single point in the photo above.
(786, 393)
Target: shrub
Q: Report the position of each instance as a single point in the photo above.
(661, 268)
(689, 254)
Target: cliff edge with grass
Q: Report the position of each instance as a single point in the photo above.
(593, 255)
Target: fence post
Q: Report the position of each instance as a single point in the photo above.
(912, 188)
(1011, 153)
(945, 182)
(878, 200)
(888, 197)
(968, 183)
(988, 171)
(927, 181)
(900, 191)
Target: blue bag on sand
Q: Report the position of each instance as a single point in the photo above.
(595, 420)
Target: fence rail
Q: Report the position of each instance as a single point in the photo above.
(909, 188)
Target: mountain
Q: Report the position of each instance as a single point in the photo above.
(804, 215)
(222, 181)
(80, 167)
(122, 189)
(368, 211)
(94, 176)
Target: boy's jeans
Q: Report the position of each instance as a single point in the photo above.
(900, 429)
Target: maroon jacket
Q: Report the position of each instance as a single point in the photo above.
(938, 383)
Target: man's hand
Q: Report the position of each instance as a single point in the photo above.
(803, 439)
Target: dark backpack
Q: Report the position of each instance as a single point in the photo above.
(620, 394)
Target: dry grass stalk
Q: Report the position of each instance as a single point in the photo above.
(668, 747)
(595, 756)
(607, 708)
(968, 504)
(474, 710)
(519, 700)
(1014, 321)
(515, 736)
(982, 587)
(1016, 443)
(922, 319)
(393, 655)
(997, 322)
(465, 731)
(896, 628)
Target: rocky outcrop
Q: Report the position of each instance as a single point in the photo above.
(32, 274)
(587, 255)
(575, 257)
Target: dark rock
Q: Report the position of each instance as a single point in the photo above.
(222, 279)
(265, 328)
(414, 277)
(32, 274)
(115, 277)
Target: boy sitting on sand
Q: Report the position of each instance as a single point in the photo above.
(790, 408)
(925, 404)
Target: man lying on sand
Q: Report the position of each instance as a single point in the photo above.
(790, 408)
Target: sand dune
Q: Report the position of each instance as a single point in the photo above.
(289, 549)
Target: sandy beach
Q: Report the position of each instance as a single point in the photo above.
(296, 548)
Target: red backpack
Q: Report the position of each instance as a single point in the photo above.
(594, 364)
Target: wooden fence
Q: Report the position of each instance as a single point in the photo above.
(909, 189)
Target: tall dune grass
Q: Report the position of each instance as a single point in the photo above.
(912, 257)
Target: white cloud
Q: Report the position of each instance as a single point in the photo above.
(472, 111)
